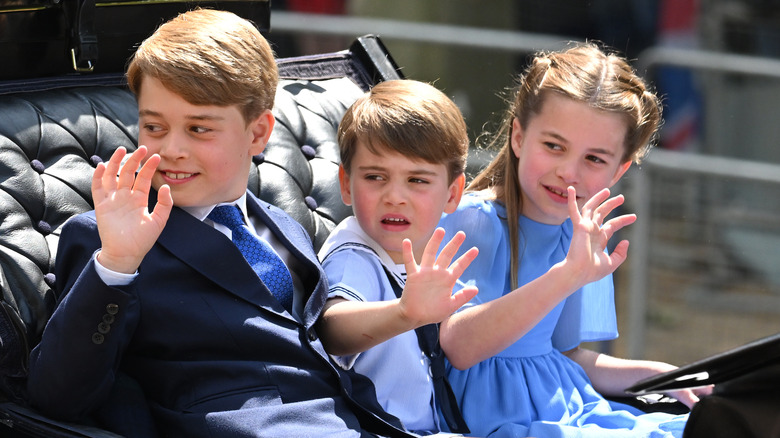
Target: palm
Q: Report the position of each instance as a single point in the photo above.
(127, 229)
(591, 235)
(427, 297)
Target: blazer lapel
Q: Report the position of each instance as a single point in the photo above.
(186, 237)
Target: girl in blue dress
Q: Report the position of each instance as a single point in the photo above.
(580, 117)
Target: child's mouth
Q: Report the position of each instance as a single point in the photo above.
(177, 175)
(563, 194)
(395, 221)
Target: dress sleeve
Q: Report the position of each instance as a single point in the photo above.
(484, 229)
(588, 316)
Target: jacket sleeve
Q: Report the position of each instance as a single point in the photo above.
(73, 368)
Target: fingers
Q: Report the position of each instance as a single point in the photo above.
(594, 208)
(162, 210)
(574, 209)
(619, 254)
(126, 177)
(104, 177)
(432, 247)
(449, 250)
(615, 224)
(408, 254)
(606, 207)
(143, 180)
(463, 296)
(463, 262)
(687, 397)
(115, 174)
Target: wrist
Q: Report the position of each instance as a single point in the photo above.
(570, 276)
(123, 265)
(406, 319)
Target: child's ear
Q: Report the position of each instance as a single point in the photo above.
(621, 170)
(456, 192)
(261, 128)
(516, 139)
(346, 190)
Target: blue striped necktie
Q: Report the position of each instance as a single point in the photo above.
(258, 253)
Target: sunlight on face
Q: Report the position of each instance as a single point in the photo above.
(206, 151)
(394, 198)
(567, 144)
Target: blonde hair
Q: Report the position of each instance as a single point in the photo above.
(585, 73)
(209, 57)
(410, 117)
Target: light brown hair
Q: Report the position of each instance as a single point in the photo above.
(586, 73)
(209, 57)
(410, 117)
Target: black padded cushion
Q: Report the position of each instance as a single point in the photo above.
(298, 171)
(50, 143)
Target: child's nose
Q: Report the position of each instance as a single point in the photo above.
(394, 194)
(568, 171)
(173, 146)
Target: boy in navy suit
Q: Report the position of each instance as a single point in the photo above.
(152, 287)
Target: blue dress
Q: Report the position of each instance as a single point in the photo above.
(531, 388)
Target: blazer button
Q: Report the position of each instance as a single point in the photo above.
(112, 309)
(103, 328)
(97, 338)
(108, 319)
(312, 335)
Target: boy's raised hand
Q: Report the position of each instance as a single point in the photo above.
(127, 229)
(591, 235)
(427, 297)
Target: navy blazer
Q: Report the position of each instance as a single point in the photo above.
(215, 354)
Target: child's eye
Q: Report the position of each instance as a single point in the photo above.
(374, 177)
(150, 127)
(552, 146)
(418, 181)
(595, 159)
(200, 129)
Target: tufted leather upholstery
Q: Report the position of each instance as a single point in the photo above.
(51, 139)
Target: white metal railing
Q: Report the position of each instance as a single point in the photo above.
(660, 160)
(344, 25)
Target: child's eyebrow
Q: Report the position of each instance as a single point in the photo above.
(384, 169)
(205, 117)
(151, 113)
(594, 150)
(602, 152)
(372, 168)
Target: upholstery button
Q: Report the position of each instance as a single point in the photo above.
(308, 152)
(38, 166)
(95, 160)
(97, 338)
(103, 328)
(50, 279)
(112, 309)
(43, 227)
(311, 203)
(258, 159)
(108, 319)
